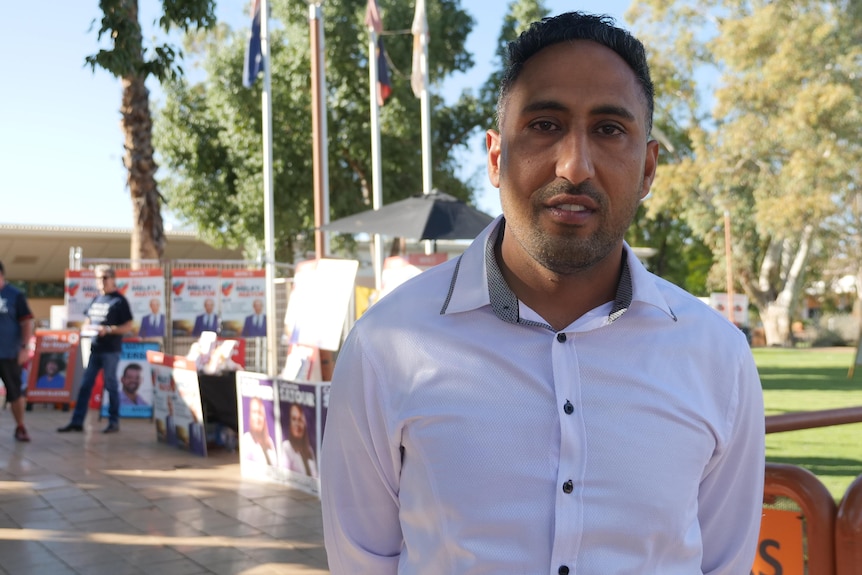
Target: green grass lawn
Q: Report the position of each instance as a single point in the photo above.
(807, 380)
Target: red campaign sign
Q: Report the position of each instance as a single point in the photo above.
(52, 372)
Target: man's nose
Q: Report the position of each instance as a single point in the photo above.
(574, 159)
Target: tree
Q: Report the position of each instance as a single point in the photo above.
(129, 60)
(209, 133)
(779, 148)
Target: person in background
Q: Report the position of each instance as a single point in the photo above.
(109, 318)
(543, 403)
(16, 328)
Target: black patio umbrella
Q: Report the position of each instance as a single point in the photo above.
(434, 216)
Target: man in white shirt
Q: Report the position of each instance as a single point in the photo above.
(543, 404)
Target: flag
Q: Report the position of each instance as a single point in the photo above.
(372, 17)
(384, 87)
(419, 29)
(374, 22)
(253, 55)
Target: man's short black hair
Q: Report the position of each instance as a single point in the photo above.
(2, 270)
(576, 26)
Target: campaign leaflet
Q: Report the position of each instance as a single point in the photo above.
(243, 303)
(194, 301)
(135, 381)
(52, 372)
(80, 290)
(299, 435)
(145, 291)
(257, 442)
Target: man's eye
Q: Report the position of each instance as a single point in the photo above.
(544, 126)
(610, 130)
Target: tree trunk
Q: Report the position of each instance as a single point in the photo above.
(148, 237)
(776, 314)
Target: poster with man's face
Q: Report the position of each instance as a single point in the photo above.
(243, 303)
(135, 381)
(145, 291)
(195, 305)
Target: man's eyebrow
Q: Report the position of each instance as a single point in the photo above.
(611, 110)
(544, 105)
(555, 106)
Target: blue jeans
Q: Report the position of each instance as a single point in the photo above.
(107, 362)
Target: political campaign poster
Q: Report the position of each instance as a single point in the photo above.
(54, 368)
(243, 303)
(145, 291)
(258, 453)
(719, 301)
(177, 409)
(135, 382)
(194, 301)
(188, 412)
(79, 291)
(299, 434)
(164, 396)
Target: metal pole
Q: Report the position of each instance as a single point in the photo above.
(426, 128)
(376, 163)
(268, 217)
(729, 264)
(319, 132)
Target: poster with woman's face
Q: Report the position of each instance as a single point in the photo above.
(298, 428)
(256, 405)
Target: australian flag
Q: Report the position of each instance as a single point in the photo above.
(253, 56)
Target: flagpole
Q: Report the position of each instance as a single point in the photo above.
(420, 31)
(319, 129)
(268, 218)
(376, 164)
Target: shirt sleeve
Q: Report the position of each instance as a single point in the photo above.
(731, 494)
(23, 309)
(359, 471)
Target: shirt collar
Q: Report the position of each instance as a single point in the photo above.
(477, 281)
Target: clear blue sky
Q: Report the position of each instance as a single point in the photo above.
(61, 145)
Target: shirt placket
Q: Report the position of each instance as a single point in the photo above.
(568, 520)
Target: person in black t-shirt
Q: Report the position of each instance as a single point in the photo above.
(109, 318)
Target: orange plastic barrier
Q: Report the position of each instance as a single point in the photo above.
(818, 508)
(848, 531)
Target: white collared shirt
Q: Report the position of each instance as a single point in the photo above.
(466, 437)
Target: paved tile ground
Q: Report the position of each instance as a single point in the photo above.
(123, 504)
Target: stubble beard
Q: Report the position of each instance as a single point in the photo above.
(570, 254)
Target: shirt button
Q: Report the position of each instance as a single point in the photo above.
(568, 407)
(568, 486)
(563, 570)
(561, 337)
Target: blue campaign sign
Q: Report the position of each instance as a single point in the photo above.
(135, 381)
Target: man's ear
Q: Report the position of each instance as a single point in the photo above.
(492, 143)
(650, 165)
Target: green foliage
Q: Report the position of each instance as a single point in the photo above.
(779, 144)
(209, 134)
(127, 55)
